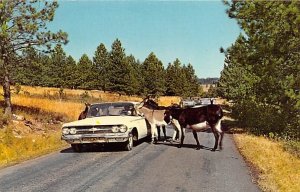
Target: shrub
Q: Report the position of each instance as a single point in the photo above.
(4, 119)
(84, 96)
(292, 147)
(18, 88)
(61, 93)
(265, 119)
(8, 138)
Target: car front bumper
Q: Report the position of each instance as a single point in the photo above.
(95, 138)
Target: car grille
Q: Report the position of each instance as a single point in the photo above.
(93, 130)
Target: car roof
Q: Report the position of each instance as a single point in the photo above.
(132, 102)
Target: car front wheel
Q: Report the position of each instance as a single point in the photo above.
(129, 143)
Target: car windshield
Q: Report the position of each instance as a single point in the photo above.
(111, 109)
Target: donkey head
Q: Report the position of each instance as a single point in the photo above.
(214, 113)
(147, 102)
(87, 106)
(151, 104)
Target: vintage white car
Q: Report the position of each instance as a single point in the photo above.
(114, 122)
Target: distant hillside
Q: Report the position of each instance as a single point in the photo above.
(208, 80)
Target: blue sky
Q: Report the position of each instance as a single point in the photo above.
(192, 31)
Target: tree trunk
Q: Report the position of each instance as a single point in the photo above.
(6, 88)
(7, 96)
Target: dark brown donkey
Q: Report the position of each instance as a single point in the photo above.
(84, 112)
(195, 117)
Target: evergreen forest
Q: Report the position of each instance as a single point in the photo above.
(109, 70)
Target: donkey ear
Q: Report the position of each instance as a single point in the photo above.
(139, 105)
(146, 98)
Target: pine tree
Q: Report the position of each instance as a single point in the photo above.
(29, 71)
(101, 62)
(154, 75)
(134, 78)
(175, 79)
(70, 73)
(86, 72)
(191, 83)
(56, 67)
(119, 69)
(23, 24)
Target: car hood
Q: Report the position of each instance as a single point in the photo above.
(104, 120)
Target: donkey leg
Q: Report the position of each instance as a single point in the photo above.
(158, 131)
(153, 133)
(216, 134)
(177, 135)
(196, 138)
(180, 129)
(176, 131)
(218, 130)
(164, 131)
(221, 141)
(182, 136)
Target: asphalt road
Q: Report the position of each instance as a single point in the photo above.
(160, 168)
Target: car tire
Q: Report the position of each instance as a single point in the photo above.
(129, 143)
(135, 136)
(76, 147)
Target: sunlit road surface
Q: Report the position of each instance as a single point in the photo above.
(148, 167)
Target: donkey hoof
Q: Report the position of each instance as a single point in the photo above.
(198, 148)
(179, 146)
(213, 149)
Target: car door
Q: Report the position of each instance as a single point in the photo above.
(143, 128)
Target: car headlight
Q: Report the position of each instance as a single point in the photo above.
(73, 131)
(115, 129)
(65, 131)
(123, 128)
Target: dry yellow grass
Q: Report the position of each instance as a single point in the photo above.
(102, 96)
(69, 109)
(168, 100)
(280, 171)
(72, 109)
